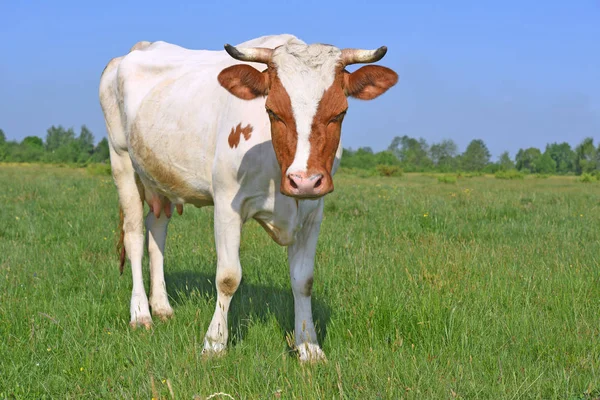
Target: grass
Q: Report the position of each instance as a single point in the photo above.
(447, 178)
(510, 174)
(484, 289)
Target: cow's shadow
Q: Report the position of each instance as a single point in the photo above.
(251, 303)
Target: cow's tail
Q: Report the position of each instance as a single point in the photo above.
(121, 243)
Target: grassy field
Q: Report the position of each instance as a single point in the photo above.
(479, 289)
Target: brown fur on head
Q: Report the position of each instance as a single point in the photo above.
(298, 66)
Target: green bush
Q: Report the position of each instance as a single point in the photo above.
(447, 178)
(510, 174)
(586, 178)
(389, 170)
(473, 174)
(542, 176)
(98, 169)
(359, 172)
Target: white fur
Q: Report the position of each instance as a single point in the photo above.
(302, 261)
(157, 235)
(310, 352)
(306, 72)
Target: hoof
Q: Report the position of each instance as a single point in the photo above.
(164, 313)
(213, 349)
(145, 321)
(311, 353)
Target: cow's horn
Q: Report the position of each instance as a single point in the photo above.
(356, 56)
(251, 54)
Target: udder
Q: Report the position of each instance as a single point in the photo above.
(159, 203)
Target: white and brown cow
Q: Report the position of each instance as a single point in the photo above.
(198, 127)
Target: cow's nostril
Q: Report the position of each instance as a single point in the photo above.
(293, 183)
(318, 183)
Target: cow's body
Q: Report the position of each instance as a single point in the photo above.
(181, 129)
(177, 136)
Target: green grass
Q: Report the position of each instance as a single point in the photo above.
(484, 289)
(510, 174)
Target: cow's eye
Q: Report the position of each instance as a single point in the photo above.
(273, 115)
(338, 118)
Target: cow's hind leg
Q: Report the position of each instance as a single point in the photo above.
(156, 228)
(130, 199)
(228, 226)
(301, 257)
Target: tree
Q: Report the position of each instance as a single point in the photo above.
(12, 151)
(57, 137)
(31, 149)
(33, 141)
(362, 158)
(505, 163)
(63, 147)
(3, 147)
(586, 157)
(412, 153)
(395, 145)
(546, 164)
(102, 154)
(563, 156)
(86, 144)
(527, 160)
(386, 158)
(443, 155)
(476, 157)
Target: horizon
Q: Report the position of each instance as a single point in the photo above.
(513, 75)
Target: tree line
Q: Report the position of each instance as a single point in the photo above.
(416, 155)
(410, 154)
(62, 146)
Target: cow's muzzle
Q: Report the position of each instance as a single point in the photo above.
(303, 185)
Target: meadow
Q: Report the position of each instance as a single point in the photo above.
(468, 288)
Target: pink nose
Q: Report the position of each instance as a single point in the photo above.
(300, 184)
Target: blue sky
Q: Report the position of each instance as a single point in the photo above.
(513, 73)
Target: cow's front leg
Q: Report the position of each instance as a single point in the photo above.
(301, 256)
(228, 226)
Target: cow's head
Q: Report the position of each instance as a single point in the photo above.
(306, 88)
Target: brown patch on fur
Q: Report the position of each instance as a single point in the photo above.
(369, 81)
(121, 242)
(228, 285)
(308, 287)
(140, 46)
(283, 124)
(179, 208)
(234, 136)
(326, 130)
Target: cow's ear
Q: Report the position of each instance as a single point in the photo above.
(244, 81)
(369, 81)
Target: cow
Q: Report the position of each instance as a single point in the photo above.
(253, 130)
